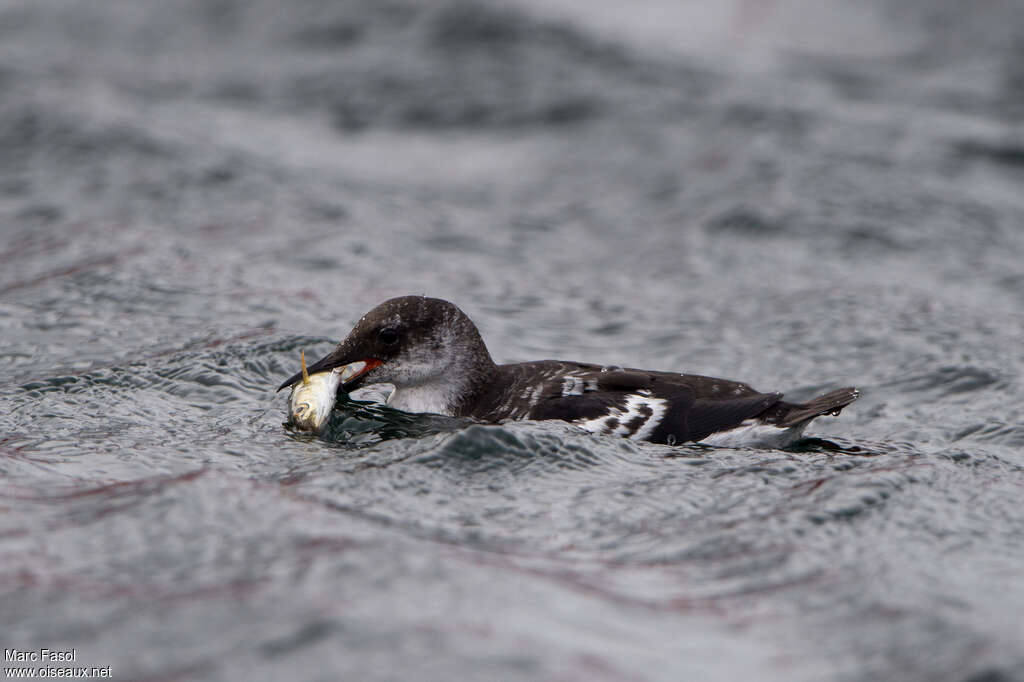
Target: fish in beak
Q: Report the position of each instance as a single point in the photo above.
(315, 389)
(349, 372)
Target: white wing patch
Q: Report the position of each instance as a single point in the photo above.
(572, 385)
(575, 385)
(753, 434)
(636, 419)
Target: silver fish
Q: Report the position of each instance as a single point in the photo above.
(313, 398)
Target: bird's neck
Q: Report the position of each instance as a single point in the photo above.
(468, 377)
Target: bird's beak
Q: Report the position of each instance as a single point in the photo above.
(351, 370)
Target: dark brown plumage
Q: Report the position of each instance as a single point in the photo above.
(435, 357)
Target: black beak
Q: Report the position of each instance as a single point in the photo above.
(336, 359)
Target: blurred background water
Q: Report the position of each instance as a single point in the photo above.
(801, 195)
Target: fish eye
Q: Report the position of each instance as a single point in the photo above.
(388, 336)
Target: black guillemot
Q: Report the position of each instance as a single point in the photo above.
(434, 356)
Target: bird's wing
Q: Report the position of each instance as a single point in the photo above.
(656, 406)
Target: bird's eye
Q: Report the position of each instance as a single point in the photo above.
(388, 336)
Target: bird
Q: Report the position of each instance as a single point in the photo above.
(437, 361)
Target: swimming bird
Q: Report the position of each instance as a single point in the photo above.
(434, 356)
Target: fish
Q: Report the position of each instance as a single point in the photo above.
(313, 398)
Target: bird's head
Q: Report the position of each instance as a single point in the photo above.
(408, 341)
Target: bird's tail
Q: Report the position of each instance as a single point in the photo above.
(785, 414)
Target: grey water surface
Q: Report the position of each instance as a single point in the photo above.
(801, 195)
